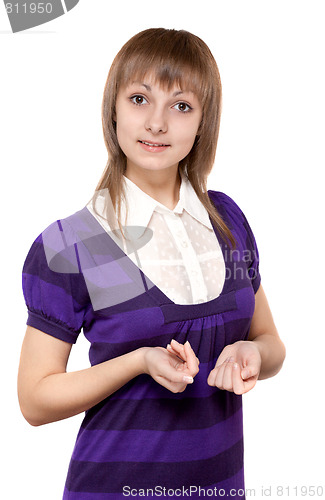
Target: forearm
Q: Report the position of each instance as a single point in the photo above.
(272, 351)
(62, 395)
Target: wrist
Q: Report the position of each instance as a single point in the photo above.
(259, 345)
(142, 353)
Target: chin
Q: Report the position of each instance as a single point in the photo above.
(155, 167)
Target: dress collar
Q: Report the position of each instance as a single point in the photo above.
(141, 206)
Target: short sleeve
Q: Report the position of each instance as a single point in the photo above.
(242, 231)
(253, 259)
(53, 288)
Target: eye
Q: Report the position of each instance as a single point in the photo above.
(183, 107)
(138, 99)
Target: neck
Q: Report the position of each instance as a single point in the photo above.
(161, 185)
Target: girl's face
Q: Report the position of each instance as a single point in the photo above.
(156, 128)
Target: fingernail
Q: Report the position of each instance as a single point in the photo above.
(168, 345)
(188, 379)
(245, 374)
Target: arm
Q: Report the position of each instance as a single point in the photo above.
(264, 335)
(48, 393)
(241, 364)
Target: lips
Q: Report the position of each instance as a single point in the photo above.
(154, 144)
(153, 147)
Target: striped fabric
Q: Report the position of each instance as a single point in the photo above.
(144, 441)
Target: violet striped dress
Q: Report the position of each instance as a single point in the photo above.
(144, 441)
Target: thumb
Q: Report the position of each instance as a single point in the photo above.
(175, 375)
(252, 370)
(246, 373)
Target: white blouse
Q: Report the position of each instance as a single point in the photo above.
(182, 255)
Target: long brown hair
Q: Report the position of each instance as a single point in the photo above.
(170, 57)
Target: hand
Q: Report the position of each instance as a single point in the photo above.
(173, 367)
(237, 368)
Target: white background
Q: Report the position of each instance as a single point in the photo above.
(270, 160)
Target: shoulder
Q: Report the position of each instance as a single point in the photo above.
(70, 224)
(54, 289)
(226, 205)
(234, 217)
(54, 246)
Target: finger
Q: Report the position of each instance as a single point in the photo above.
(172, 351)
(212, 377)
(238, 383)
(250, 371)
(191, 359)
(178, 349)
(186, 353)
(249, 375)
(219, 375)
(222, 357)
(175, 375)
(173, 386)
(180, 365)
(227, 383)
(248, 386)
(178, 385)
(216, 375)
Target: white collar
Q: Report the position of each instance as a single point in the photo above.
(141, 206)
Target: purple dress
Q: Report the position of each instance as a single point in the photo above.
(144, 440)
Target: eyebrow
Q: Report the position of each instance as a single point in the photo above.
(148, 88)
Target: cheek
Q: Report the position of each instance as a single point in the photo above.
(187, 129)
(125, 126)
(188, 136)
(122, 138)
(122, 130)
(121, 122)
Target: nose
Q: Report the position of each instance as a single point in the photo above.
(156, 121)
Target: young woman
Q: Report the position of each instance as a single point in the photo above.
(163, 278)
